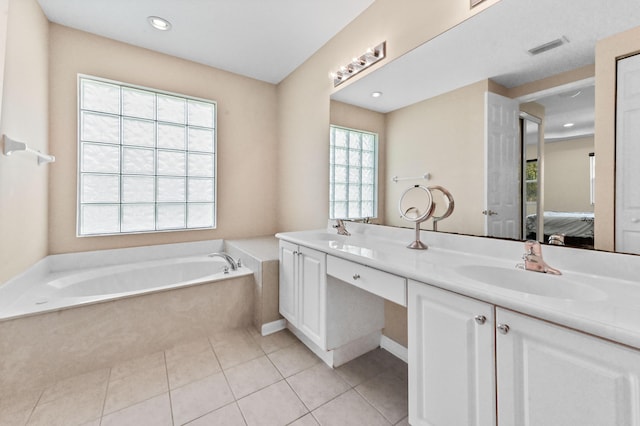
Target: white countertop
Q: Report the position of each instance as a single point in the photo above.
(606, 285)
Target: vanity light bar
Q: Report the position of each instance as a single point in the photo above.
(361, 63)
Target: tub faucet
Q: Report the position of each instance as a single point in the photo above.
(341, 228)
(533, 260)
(232, 263)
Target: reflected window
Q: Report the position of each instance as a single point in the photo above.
(146, 160)
(531, 181)
(353, 174)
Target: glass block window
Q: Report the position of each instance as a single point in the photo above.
(146, 160)
(353, 174)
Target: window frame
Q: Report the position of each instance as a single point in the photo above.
(120, 174)
(376, 185)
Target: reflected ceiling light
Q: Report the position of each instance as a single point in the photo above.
(568, 125)
(159, 23)
(376, 94)
(571, 94)
(361, 63)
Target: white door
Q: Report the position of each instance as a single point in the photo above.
(502, 167)
(451, 359)
(312, 295)
(288, 292)
(552, 376)
(627, 221)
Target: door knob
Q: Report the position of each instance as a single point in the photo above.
(503, 328)
(635, 220)
(480, 319)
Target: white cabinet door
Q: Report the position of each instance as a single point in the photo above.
(288, 297)
(627, 222)
(451, 359)
(312, 290)
(552, 376)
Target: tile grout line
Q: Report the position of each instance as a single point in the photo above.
(166, 370)
(106, 392)
(373, 406)
(235, 400)
(33, 409)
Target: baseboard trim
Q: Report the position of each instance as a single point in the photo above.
(273, 327)
(394, 348)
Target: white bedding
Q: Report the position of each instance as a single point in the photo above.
(571, 224)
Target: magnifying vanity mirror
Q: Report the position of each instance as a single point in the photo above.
(433, 112)
(416, 205)
(443, 204)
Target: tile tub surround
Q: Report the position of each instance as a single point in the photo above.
(615, 316)
(274, 380)
(260, 254)
(40, 349)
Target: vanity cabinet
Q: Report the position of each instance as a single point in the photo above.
(451, 360)
(324, 302)
(469, 361)
(551, 375)
(303, 290)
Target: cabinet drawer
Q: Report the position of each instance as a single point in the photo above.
(383, 284)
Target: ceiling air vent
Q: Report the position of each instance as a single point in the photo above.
(548, 46)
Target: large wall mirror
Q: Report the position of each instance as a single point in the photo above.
(521, 73)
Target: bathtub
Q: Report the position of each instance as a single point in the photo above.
(75, 313)
(60, 290)
(56, 284)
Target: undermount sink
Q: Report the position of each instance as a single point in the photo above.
(325, 236)
(535, 283)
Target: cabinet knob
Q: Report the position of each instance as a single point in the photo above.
(295, 253)
(356, 276)
(503, 328)
(480, 319)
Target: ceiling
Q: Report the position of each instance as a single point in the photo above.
(575, 106)
(261, 39)
(494, 44)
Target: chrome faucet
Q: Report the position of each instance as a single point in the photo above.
(232, 263)
(533, 260)
(341, 228)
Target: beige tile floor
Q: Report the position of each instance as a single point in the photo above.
(233, 378)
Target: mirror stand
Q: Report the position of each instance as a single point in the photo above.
(416, 205)
(417, 244)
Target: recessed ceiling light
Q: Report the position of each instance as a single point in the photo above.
(159, 23)
(376, 94)
(568, 125)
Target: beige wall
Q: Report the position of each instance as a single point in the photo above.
(567, 184)
(353, 117)
(303, 97)
(444, 136)
(607, 53)
(23, 184)
(247, 146)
